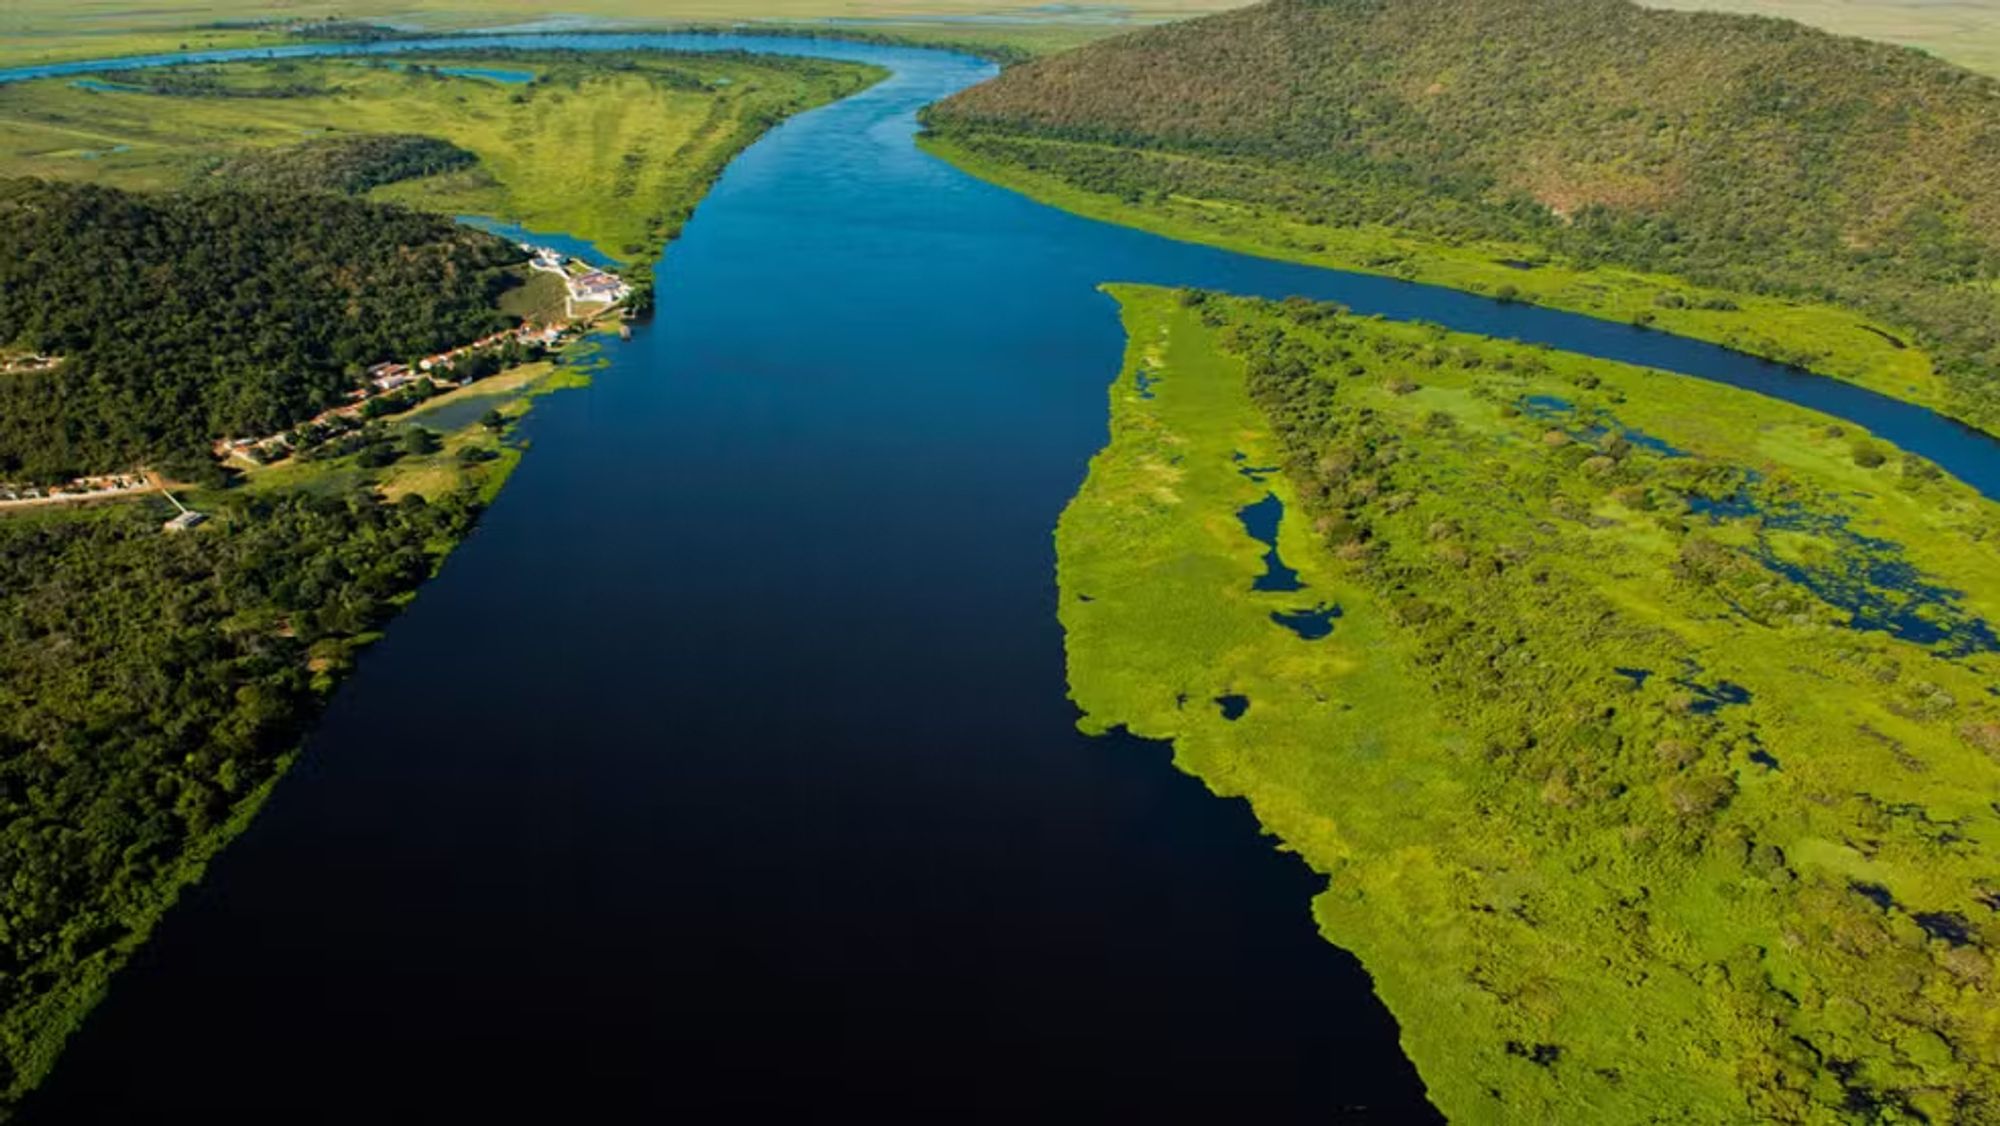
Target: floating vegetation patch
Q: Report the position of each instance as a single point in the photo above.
(1556, 713)
(1869, 577)
(1706, 699)
(1594, 427)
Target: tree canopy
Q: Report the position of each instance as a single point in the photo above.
(183, 318)
(352, 164)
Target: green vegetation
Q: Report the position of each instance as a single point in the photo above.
(1809, 192)
(49, 30)
(353, 164)
(1967, 32)
(615, 149)
(218, 280)
(280, 81)
(184, 318)
(611, 147)
(153, 687)
(1641, 726)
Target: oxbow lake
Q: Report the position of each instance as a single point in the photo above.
(728, 764)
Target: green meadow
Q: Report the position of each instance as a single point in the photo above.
(1967, 33)
(1640, 726)
(615, 150)
(42, 31)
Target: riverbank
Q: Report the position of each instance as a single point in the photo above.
(1624, 788)
(302, 567)
(1823, 339)
(381, 517)
(673, 502)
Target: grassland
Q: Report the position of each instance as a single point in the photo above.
(1645, 738)
(612, 150)
(1966, 32)
(39, 31)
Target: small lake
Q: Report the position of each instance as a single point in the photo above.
(728, 770)
(581, 249)
(491, 73)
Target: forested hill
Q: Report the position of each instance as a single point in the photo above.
(1749, 153)
(182, 318)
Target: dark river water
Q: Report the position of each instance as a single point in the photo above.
(727, 767)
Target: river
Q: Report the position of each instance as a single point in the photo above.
(727, 766)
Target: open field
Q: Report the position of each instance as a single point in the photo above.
(1639, 724)
(1965, 31)
(614, 156)
(45, 31)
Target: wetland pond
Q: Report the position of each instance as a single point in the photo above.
(728, 765)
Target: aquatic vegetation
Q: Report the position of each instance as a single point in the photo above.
(1629, 819)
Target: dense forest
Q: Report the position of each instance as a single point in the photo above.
(182, 318)
(280, 81)
(149, 686)
(1745, 153)
(352, 164)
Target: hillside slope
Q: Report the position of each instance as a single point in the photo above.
(1749, 154)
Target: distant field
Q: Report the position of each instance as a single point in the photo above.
(46, 30)
(1965, 31)
(611, 156)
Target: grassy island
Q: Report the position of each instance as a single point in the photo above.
(1644, 728)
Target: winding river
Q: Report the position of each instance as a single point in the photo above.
(728, 764)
